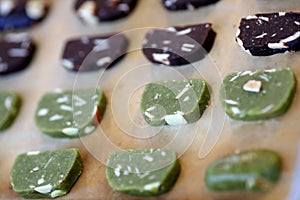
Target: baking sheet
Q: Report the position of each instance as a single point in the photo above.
(214, 135)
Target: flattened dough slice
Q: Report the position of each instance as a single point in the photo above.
(145, 172)
(174, 102)
(269, 33)
(254, 170)
(46, 174)
(70, 113)
(16, 52)
(180, 45)
(94, 11)
(10, 104)
(93, 53)
(17, 14)
(258, 95)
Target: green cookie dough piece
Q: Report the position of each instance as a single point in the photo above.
(256, 170)
(70, 113)
(46, 174)
(10, 104)
(258, 95)
(142, 172)
(174, 102)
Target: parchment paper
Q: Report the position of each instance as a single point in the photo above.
(198, 144)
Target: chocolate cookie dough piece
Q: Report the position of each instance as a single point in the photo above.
(186, 4)
(46, 174)
(70, 113)
(178, 45)
(92, 53)
(142, 172)
(258, 95)
(269, 33)
(256, 170)
(16, 14)
(10, 104)
(94, 11)
(16, 52)
(174, 102)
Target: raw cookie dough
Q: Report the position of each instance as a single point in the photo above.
(258, 95)
(256, 170)
(16, 52)
(269, 33)
(186, 4)
(16, 14)
(178, 45)
(94, 11)
(142, 172)
(174, 102)
(10, 104)
(46, 174)
(70, 113)
(92, 53)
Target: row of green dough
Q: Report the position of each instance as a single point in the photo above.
(146, 172)
(247, 95)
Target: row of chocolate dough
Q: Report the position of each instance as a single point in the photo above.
(259, 35)
(15, 15)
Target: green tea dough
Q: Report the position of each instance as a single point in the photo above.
(142, 172)
(10, 104)
(46, 174)
(258, 95)
(256, 170)
(174, 102)
(70, 113)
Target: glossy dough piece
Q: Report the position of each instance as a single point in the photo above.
(94, 11)
(16, 52)
(146, 172)
(258, 95)
(92, 53)
(269, 33)
(16, 14)
(176, 46)
(186, 4)
(46, 174)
